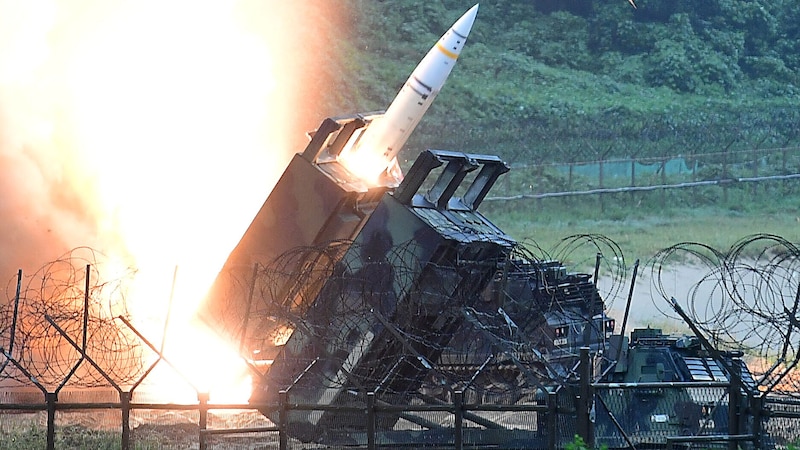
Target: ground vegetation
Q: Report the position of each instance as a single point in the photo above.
(548, 81)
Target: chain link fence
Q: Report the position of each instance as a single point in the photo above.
(692, 415)
(74, 370)
(727, 176)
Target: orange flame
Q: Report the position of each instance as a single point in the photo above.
(152, 131)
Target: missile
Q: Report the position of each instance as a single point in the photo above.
(374, 152)
(323, 197)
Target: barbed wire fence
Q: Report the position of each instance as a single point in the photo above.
(361, 297)
(68, 327)
(72, 293)
(712, 177)
(744, 298)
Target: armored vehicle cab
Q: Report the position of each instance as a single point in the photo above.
(663, 385)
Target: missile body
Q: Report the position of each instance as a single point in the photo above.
(386, 136)
(322, 198)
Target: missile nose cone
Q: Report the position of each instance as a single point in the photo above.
(386, 135)
(464, 24)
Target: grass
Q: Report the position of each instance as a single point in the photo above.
(34, 436)
(642, 234)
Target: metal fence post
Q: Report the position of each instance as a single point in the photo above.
(757, 407)
(51, 398)
(725, 175)
(371, 420)
(755, 172)
(552, 420)
(125, 404)
(202, 398)
(736, 406)
(458, 403)
(585, 400)
(734, 409)
(783, 171)
(633, 181)
(570, 178)
(283, 419)
(601, 185)
(664, 182)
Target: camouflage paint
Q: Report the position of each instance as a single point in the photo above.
(354, 342)
(316, 200)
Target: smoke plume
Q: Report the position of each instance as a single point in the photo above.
(151, 131)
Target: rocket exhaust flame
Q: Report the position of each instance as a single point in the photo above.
(150, 132)
(325, 195)
(125, 141)
(374, 153)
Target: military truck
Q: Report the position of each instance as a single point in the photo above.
(663, 387)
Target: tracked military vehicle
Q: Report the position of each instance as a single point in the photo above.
(540, 304)
(663, 387)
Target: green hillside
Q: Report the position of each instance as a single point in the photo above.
(536, 74)
(578, 80)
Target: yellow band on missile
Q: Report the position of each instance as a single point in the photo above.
(446, 52)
